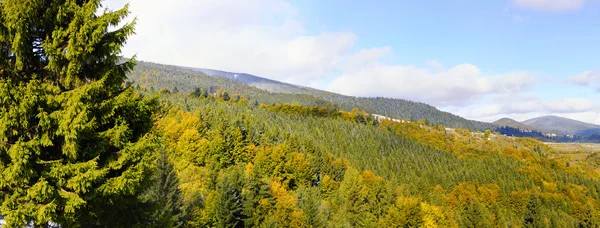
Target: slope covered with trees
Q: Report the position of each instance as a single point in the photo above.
(287, 165)
(157, 76)
(396, 108)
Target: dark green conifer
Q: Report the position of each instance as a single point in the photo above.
(226, 96)
(196, 93)
(229, 204)
(74, 147)
(166, 196)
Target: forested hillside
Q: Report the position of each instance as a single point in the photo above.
(298, 166)
(186, 79)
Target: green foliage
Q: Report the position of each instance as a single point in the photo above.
(165, 196)
(225, 96)
(322, 111)
(309, 201)
(229, 204)
(296, 109)
(197, 92)
(309, 167)
(74, 147)
(257, 201)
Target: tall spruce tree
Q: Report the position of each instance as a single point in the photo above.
(74, 142)
(165, 196)
(229, 203)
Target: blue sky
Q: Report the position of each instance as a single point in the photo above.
(480, 59)
(493, 35)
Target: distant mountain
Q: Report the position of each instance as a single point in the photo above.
(559, 125)
(267, 91)
(508, 122)
(258, 82)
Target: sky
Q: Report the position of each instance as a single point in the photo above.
(482, 60)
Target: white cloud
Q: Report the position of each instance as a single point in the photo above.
(525, 106)
(568, 105)
(550, 5)
(588, 117)
(266, 38)
(261, 37)
(365, 58)
(586, 78)
(459, 85)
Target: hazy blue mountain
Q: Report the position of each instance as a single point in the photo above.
(508, 122)
(559, 125)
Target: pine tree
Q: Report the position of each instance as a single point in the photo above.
(258, 201)
(230, 205)
(166, 196)
(309, 201)
(532, 214)
(74, 142)
(196, 93)
(226, 96)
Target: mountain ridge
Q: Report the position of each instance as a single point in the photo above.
(508, 122)
(269, 91)
(558, 125)
(255, 81)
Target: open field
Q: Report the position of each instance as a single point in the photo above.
(575, 153)
(574, 148)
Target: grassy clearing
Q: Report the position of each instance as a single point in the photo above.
(575, 153)
(574, 148)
